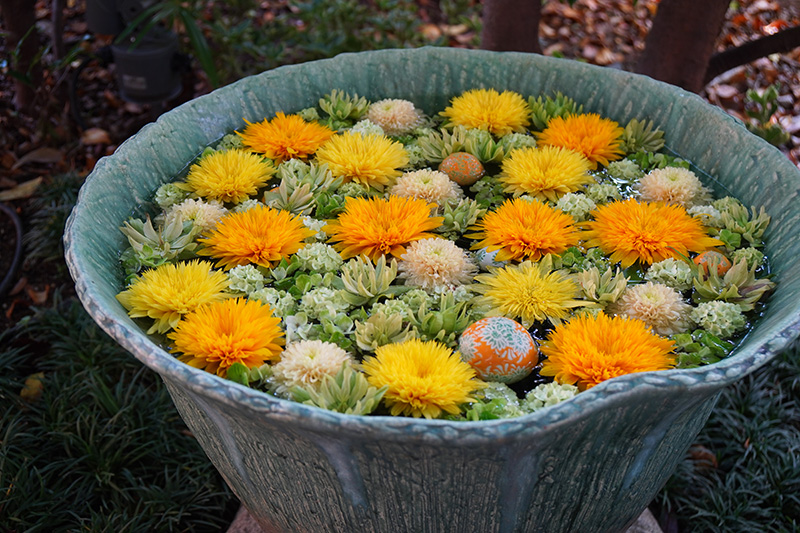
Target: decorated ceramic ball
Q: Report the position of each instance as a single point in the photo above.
(499, 349)
(486, 259)
(463, 168)
(707, 258)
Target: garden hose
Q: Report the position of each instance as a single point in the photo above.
(9, 276)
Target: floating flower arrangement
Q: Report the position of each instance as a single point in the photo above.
(490, 260)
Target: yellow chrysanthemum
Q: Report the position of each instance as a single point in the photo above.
(524, 229)
(168, 292)
(588, 350)
(231, 176)
(378, 226)
(285, 137)
(631, 231)
(486, 109)
(220, 334)
(595, 137)
(260, 235)
(528, 292)
(371, 160)
(423, 378)
(546, 173)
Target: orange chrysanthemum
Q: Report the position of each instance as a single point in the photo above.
(285, 137)
(631, 231)
(588, 350)
(371, 160)
(524, 229)
(377, 226)
(595, 137)
(486, 109)
(260, 235)
(237, 330)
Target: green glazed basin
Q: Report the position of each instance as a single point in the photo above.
(591, 464)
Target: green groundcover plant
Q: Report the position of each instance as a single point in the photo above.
(90, 440)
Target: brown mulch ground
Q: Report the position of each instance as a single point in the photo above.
(604, 32)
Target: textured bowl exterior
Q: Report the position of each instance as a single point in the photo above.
(590, 464)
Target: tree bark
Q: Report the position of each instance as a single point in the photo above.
(19, 17)
(511, 25)
(57, 32)
(681, 42)
(783, 41)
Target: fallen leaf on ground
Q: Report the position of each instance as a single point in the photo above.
(454, 30)
(33, 387)
(23, 190)
(38, 297)
(40, 155)
(18, 286)
(726, 91)
(431, 32)
(7, 159)
(95, 136)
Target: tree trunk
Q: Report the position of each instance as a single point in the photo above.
(511, 25)
(19, 19)
(681, 41)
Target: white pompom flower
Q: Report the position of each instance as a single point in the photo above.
(395, 117)
(434, 264)
(306, 363)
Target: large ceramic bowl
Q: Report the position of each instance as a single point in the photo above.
(589, 464)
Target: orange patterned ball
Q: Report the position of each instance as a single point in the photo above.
(705, 259)
(463, 168)
(499, 349)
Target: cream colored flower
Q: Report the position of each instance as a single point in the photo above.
(202, 214)
(430, 185)
(659, 306)
(673, 185)
(436, 263)
(306, 363)
(395, 117)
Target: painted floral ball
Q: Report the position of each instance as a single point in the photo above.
(705, 259)
(486, 259)
(463, 168)
(499, 349)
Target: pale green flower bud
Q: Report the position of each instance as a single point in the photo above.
(752, 256)
(671, 272)
(719, 318)
(318, 257)
(625, 170)
(578, 206)
(323, 302)
(602, 193)
(245, 279)
(309, 114)
(548, 394)
(367, 127)
(515, 141)
(282, 303)
(170, 194)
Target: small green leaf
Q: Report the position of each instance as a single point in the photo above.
(239, 373)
